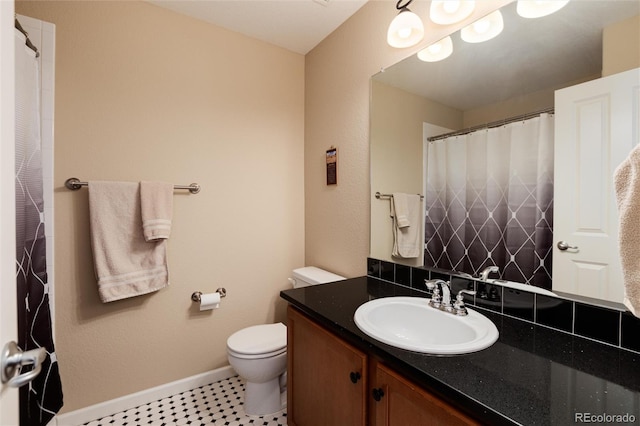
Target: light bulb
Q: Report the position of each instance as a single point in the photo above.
(481, 26)
(539, 8)
(483, 29)
(445, 12)
(437, 51)
(451, 6)
(435, 48)
(404, 33)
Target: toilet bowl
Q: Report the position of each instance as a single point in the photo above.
(259, 353)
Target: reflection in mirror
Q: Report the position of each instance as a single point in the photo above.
(509, 76)
(489, 201)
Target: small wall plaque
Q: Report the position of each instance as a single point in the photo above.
(332, 166)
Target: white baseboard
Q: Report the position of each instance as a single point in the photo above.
(103, 409)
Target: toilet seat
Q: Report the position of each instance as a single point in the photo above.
(258, 341)
(257, 356)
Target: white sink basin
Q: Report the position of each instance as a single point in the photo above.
(410, 323)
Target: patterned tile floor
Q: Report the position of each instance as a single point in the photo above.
(216, 404)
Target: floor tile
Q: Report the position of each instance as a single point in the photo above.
(218, 404)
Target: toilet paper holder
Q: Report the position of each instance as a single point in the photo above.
(198, 294)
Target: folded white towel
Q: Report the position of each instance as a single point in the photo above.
(125, 264)
(406, 231)
(627, 185)
(401, 207)
(156, 203)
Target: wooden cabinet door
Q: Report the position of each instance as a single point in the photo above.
(397, 402)
(327, 383)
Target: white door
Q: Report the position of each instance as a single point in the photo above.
(8, 308)
(596, 127)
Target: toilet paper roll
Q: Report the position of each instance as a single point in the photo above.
(209, 301)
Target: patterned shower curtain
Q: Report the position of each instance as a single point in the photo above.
(41, 399)
(489, 201)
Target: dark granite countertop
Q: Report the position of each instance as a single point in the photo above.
(531, 376)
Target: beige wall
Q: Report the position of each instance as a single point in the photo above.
(146, 94)
(520, 105)
(621, 46)
(337, 75)
(397, 155)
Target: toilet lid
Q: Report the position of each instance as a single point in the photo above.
(258, 339)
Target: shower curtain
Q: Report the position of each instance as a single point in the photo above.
(41, 399)
(489, 201)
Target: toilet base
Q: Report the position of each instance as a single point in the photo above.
(261, 399)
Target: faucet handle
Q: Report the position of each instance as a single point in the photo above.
(459, 306)
(435, 283)
(436, 298)
(434, 286)
(464, 291)
(431, 284)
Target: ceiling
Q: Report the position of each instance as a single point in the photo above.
(296, 25)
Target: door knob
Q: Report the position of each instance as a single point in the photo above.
(354, 376)
(563, 245)
(13, 358)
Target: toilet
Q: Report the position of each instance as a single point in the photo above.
(259, 353)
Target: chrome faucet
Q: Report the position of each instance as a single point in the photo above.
(486, 271)
(441, 298)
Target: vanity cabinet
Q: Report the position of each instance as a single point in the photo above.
(330, 382)
(397, 401)
(326, 377)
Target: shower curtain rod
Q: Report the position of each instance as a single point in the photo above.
(490, 125)
(26, 34)
(75, 184)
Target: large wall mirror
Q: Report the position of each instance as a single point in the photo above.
(509, 82)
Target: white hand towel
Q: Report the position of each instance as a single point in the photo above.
(406, 238)
(156, 203)
(627, 185)
(401, 207)
(125, 264)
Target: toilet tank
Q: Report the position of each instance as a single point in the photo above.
(310, 275)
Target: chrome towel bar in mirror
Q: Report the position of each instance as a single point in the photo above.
(75, 184)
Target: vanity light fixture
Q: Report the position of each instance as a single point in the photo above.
(445, 12)
(539, 8)
(483, 29)
(437, 51)
(406, 29)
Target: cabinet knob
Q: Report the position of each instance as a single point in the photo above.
(378, 393)
(354, 376)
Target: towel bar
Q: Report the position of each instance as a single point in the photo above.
(75, 184)
(380, 196)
